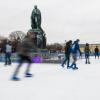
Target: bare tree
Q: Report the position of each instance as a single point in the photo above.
(2, 38)
(17, 35)
(54, 46)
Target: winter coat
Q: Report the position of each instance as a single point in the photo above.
(87, 49)
(25, 47)
(75, 47)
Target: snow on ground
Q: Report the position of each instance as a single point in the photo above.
(52, 82)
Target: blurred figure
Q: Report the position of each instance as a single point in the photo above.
(24, 53)
(96, 52)
(87, 53)
(67, 53)
(75, 49)
(8, 52)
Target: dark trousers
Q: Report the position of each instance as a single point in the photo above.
(87, 57)
(23, 59)
(96, 55)
(66, 59)
(7, 58)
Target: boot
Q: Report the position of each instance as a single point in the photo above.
(75, 67)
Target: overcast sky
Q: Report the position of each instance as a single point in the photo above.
(61, 19)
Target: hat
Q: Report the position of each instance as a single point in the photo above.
(77, 40)
(70, 41)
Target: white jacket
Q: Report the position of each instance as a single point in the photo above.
(8, 48)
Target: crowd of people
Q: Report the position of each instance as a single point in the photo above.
(72, 49)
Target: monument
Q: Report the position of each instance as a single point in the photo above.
(40, 40)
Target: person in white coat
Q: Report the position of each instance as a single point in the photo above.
(8, 52)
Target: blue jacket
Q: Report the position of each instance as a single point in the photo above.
(75, 47)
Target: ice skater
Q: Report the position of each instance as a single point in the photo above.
(24, 53)
(67, 53)
(87, 53)
(75, 49)
(96, 52)
(8, 52)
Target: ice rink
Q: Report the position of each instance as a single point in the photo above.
(52, 82)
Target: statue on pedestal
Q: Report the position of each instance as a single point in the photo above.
(36, 18)
(36, 27)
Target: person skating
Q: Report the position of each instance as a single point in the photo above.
(67, 53)
(8, 52)
(96, 52)
(87, 53)
(75, 49)
(24, 54)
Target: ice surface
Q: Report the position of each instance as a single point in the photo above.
(52, 82)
